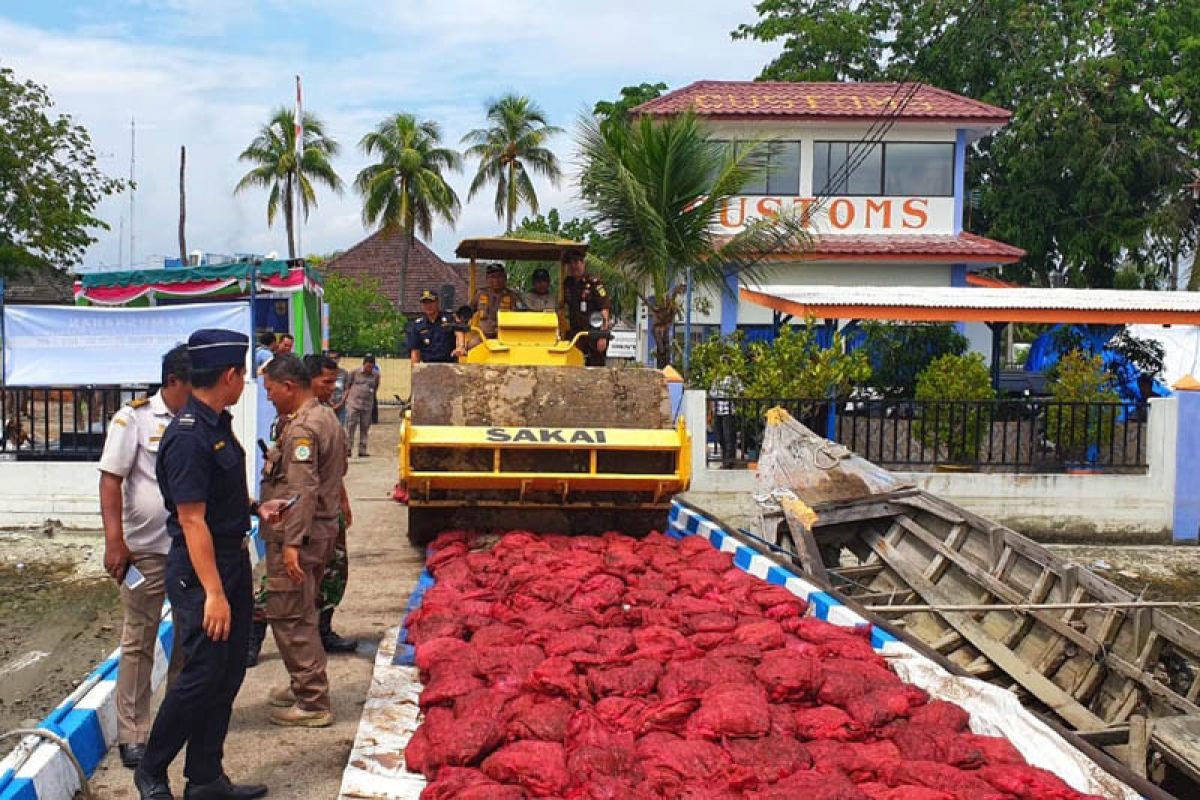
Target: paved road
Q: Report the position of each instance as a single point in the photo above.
(307, 764)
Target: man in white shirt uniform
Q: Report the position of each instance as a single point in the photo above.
(136, 543)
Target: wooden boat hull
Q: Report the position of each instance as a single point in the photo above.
(1103, 666)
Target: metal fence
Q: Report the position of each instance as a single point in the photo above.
(54, 423)
(1019, 435)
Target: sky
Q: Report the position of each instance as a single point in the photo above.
(207, 73)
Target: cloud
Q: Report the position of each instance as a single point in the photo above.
(360, 61)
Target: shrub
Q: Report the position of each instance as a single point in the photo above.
(361, 318)
(717, 357)
(795, 365)
(898, 353)
(954, 423)
(1081, 380)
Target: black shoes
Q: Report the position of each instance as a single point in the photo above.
(258, 632)
(151, 788)
(330, 640)
(223, 789)
(131, 754)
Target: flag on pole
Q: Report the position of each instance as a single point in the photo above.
(299, 121)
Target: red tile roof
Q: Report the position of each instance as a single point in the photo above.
(822, 101)
(378, 257)
(963, 248)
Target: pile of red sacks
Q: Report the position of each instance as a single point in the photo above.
(609, 667)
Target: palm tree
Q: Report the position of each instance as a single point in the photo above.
(656, 190)
(406, 188)
(511, 147)
(273, 152)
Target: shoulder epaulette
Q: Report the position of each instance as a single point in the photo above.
(138, 403)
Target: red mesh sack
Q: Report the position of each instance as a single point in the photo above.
(789, 677)
(941, 714)
(827, 722)
(464, 783)
(693, 676)
(769, 757)
(731, 710)
(881, 791)
(442, 651)
(598, 592)
(943, 777)
(880, 706)
(1030, 783)
(557, 675)
(995, 750)
(858, 761)
(540, 767)
(532, 716)
(441, 740)
(810, 785)
(637, 679)
(447, 684)
(928, 743)
(765, 634)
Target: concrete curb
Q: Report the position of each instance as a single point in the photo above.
(37, 769)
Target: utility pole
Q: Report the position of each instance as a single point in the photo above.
(183, 256)
(1194, 186)
(132, 191)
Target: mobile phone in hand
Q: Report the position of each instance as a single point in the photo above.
(133, 577)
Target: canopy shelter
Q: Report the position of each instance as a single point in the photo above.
(511, 248)
(287, 295)
(996, 307)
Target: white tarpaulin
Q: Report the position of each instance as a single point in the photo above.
(1181, 346)
(79, 345)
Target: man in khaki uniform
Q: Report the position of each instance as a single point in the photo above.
(488, 303)
(308, 463)
(136, 544)
(361, 388)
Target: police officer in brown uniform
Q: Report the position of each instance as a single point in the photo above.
(308, 463)
(488, 303)
(584, 296)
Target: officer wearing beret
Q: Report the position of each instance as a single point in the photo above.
(201, 473)
(434, 337)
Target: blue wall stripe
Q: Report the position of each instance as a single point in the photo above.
(742, 556)
(960, 179)
(83, 731)
(821, 603)
(778, 575)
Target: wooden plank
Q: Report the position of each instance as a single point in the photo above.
(1041, 687)
(1091, 680)
(1139, 745)
(806, 545)
(1178, 740)
(938, 566)
(843, 514)
(1085, 642)
(860, 571)
(948, 642)
(1023, 622)
(936, 506)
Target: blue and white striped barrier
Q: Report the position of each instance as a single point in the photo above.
(87, 719)
(683, 521)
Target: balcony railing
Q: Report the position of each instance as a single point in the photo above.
(1019, 435)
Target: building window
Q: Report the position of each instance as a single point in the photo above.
(912, 168)
(781, 175)
(890, 169)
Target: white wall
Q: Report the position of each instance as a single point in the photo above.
(32, 492)
(1033, 504)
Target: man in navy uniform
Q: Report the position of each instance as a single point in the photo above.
(201, 472)
(434, 337)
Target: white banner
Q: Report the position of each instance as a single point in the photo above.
(79, 345)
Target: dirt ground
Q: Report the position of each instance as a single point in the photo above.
(307, 764)
(59, 617)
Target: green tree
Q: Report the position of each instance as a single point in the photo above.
(616, 112)
(794, 365)
(954, 420)
(1105, 98)
(49, 182)
(361, 318)
(509, 149)
(278, 170)
(898, 353)
(655, 190)
(548, 227)
(406, 188)
(1084, 415)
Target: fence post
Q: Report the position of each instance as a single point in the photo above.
(1186, 517)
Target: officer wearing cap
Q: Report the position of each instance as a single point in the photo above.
(434, 337)
(540, 298)
(201, 473)
(488, 303)
(585, 296)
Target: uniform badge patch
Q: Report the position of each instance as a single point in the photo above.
(302, 450)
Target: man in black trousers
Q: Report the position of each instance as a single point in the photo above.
(202, 475)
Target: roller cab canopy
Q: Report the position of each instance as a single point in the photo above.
(509, 248)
